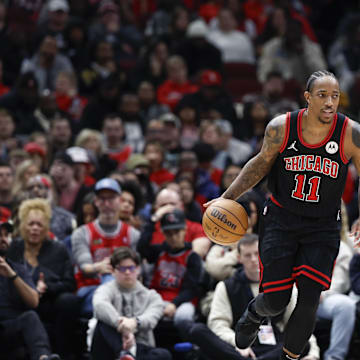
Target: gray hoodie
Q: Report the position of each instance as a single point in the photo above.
(111, 301)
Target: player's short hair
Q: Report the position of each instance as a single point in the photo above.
(317, 75)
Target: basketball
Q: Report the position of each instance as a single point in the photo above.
(225, 222)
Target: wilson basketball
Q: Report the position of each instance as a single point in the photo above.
(225, 221)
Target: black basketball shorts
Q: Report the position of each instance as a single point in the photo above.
(291, 246)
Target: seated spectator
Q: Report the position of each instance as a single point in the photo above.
(152, 66)
(177, 84)
(116, 145)
(55, 17)
(155, 154)
(336, 305)
(152, 238)
(230, 299)
(197, 51)
(172, 131)
(189, 119)
(104, 101)
(293, 54)
(126, 313)
(255, 118)
(206, 177)
(132, 200)
(102, 65)
(273, 92)
(228, 149)
(177, 271)
(6, 183)
(37, 154)
(69, 190)
(60, 136)
(47, 63)
(62, 222)
(129, 111)
(191, 207)
(22, 101)
(139, 167)
(49, 263)
(210, 96)
(83, 165)
(93, 243)
(46, 111)
(23, 173)
(67, 97)
(149, 108)
(121, 34)
(18, 299)
(8, 141)
(235, 45)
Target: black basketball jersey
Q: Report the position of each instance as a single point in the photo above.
(309, 180)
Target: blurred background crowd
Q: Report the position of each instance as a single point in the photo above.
(169, 99)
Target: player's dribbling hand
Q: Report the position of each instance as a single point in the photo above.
(207, 204)
(355, 232)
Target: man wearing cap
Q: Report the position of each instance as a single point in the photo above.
(177, 271)
(57, 18)
(93, 243)
(18, 296)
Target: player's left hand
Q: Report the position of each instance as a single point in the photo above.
(355, 232)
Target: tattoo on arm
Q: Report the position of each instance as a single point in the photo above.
(260, 165)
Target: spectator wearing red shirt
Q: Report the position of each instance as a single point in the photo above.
(166, 201)
(67, 97)
(155, 153)
(114, 133)
(171, 91)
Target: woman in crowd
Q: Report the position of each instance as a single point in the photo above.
(52, 272)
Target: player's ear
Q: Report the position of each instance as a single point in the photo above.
(307, 96)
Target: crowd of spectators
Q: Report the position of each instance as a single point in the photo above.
(119, 119)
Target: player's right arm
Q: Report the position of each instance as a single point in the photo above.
(259, 166)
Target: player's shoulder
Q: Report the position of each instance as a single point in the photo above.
(275, 129)
(279, 120)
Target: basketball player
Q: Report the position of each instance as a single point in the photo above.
(305, 155)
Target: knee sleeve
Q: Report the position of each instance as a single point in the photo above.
(272, 304)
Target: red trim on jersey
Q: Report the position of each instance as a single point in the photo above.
(275, 201)
(313, 270)
(324, 141)
(287, 131)
(261, 266)
(342, 139)
(279, 288)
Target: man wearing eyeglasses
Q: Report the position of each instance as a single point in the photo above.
(127, 312)
(93, 243)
